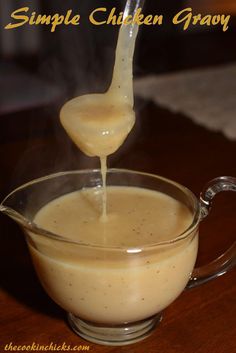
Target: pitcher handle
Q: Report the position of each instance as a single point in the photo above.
(227, 260)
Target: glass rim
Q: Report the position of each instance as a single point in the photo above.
(33, 227)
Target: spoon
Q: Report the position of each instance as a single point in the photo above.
(99, 123)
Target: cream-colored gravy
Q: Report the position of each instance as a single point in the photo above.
(114, 286)
(136, 217)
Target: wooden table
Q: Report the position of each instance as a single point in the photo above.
(201, 320)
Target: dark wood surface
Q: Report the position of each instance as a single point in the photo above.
(201, 320)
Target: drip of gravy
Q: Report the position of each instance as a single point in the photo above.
(104, 217)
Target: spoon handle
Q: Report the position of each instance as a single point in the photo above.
(131, 8)
(122, 82)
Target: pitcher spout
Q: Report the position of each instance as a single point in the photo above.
(15, 216)
(23, 203)
(18, 206)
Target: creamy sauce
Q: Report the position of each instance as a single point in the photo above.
(104, 217)
(114, 286)
(137, 217)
